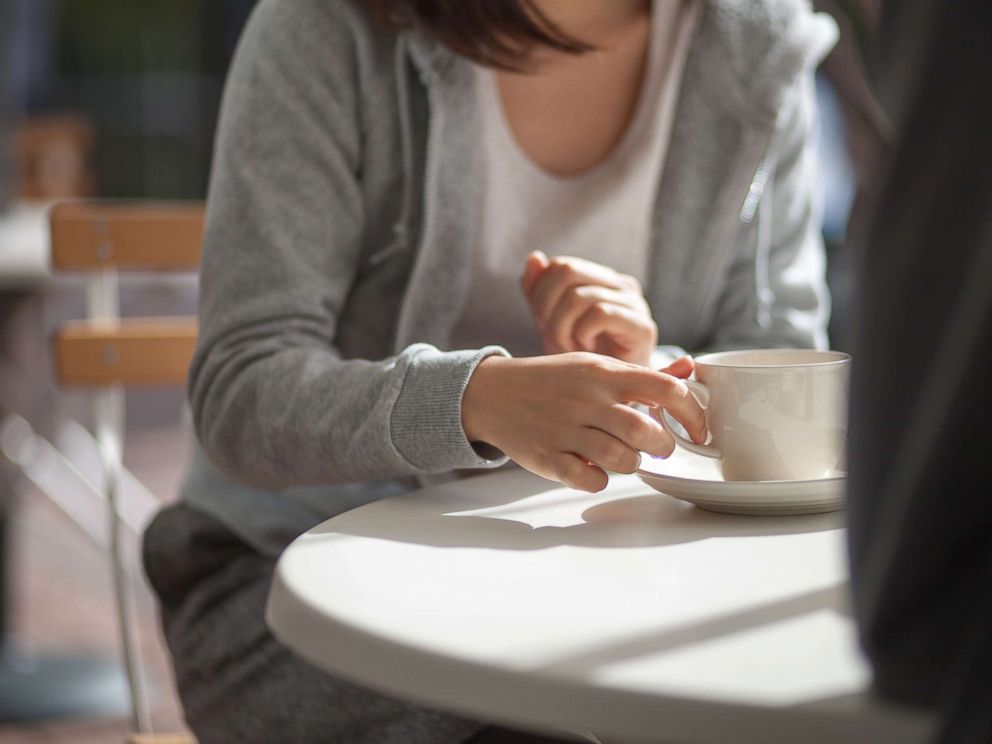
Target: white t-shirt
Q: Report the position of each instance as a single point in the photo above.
(603, 214)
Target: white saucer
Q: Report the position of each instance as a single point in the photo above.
(698, 480)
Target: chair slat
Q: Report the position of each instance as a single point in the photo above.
(87, 236)
(160, 739)
(136, 351)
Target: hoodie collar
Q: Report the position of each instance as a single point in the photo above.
(743, 63)
(762, 46)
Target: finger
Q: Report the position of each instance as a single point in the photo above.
(606, 451)
(573, 304)
(623, 323)
(636, 430)
(575, 472)
(632, 282)
(535, 263)
(663, 391)
(682, 367)
(565, 272)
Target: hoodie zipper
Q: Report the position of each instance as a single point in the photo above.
(757, 188)
(749, 210)
(762, 174)
(752, 196)
(398, 244)
(428, 201)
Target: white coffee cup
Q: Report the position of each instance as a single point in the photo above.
(772, 414)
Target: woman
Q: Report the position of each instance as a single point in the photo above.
(430, 223)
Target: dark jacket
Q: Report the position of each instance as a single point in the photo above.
(921, 430)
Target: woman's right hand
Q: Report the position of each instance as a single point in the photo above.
(567, 417)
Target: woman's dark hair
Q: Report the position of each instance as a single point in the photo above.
(495, 33)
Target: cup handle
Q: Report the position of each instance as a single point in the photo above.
(702, 394)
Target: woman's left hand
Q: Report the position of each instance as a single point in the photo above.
(579, 305)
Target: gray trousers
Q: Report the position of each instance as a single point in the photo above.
(236, 682)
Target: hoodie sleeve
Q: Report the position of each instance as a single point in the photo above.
(274, 403)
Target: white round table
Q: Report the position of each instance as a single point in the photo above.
(24, 259)
(625, 613)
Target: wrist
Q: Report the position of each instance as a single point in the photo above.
(482, 389)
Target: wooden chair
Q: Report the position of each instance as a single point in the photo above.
(105, 352)
(54, 156)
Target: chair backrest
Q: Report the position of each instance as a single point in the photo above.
(54, 156)
(102, 239)
(107, 352)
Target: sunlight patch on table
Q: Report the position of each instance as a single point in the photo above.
(794, 661)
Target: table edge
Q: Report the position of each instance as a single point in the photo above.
(470, 688)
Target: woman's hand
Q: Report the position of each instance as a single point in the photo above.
(566, 417)
(579, 305)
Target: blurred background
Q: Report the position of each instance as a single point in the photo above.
(118, 99)
(107, 99)
(133, 87)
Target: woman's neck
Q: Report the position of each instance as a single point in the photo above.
(568, 111)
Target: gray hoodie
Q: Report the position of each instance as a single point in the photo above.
(340, 214)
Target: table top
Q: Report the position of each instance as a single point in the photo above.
(24, 246)
(626, 613)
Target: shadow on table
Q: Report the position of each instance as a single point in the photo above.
(832, 598)
(527, 513)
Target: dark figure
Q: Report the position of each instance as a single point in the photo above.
(921, 431)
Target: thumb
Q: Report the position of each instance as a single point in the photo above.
(534, 265)
(681, 367)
